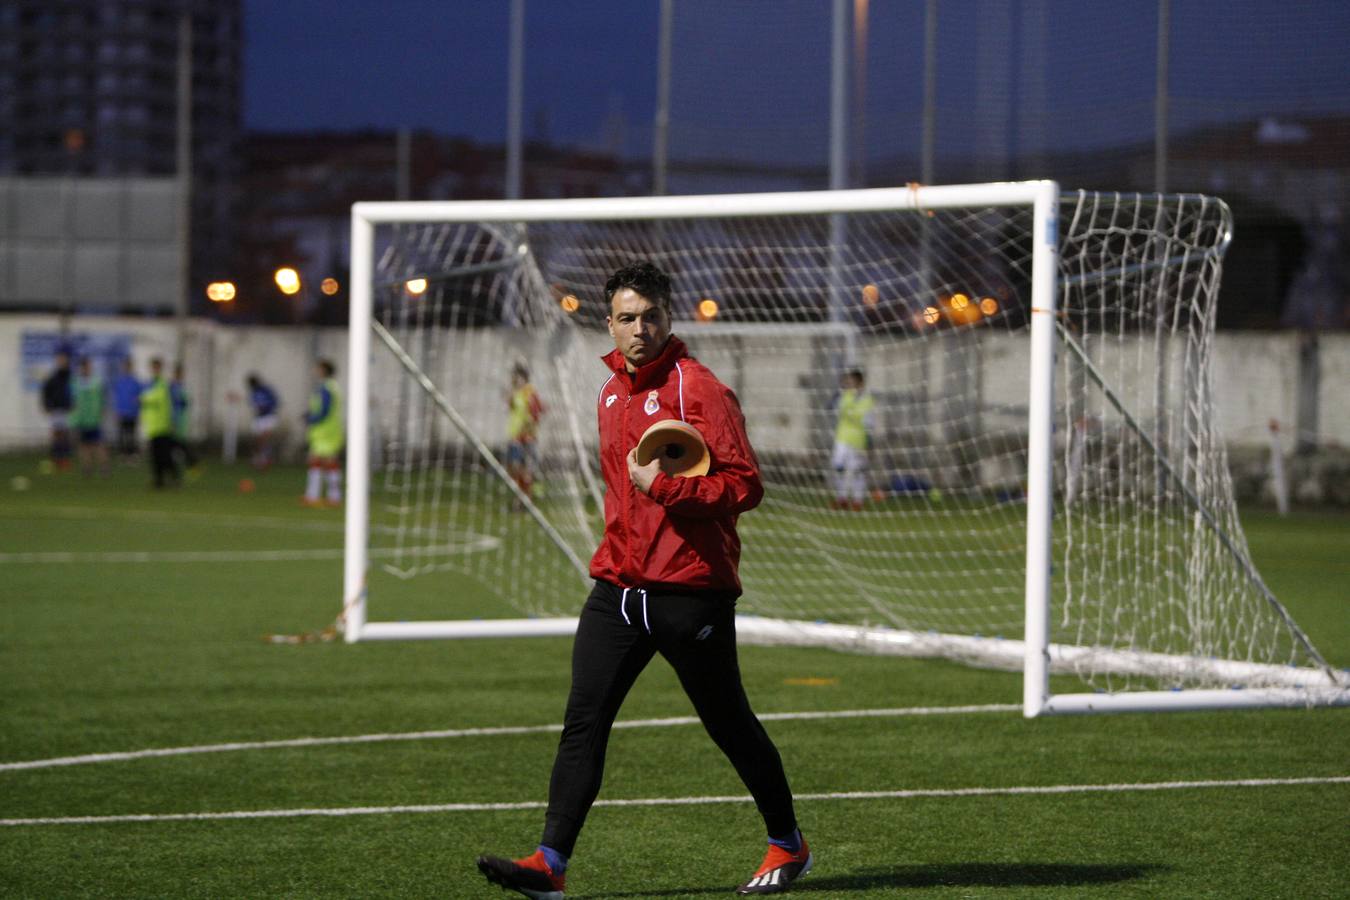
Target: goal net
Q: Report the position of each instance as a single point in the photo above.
(1045, 486)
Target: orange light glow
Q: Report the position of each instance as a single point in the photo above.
(288, 280)
(220, 291)
(961, 311)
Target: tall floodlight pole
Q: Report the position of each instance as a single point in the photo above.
(929, 145)
(403, 164)
(838, 151)
(1160, 392)
(183, 168)
(859, 99)
(839, 97)
(515, 100)
(927, 170)
(1160, 97)
(661, 138)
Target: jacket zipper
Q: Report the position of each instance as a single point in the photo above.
(629, 490)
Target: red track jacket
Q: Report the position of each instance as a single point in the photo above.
(684, 533)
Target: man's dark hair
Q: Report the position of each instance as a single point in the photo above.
(519, 369)
(644, 278)
(328, 367)
(857, 375)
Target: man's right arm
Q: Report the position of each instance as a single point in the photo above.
(733, 484)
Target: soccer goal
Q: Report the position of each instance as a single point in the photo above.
(1046, 488)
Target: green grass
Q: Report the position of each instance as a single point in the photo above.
(116, 656)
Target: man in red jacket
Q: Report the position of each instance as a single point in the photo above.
(665, 582)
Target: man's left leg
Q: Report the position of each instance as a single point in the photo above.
(697, 635)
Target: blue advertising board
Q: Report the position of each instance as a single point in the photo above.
(38, 351)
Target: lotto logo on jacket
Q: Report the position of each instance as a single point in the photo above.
(684, 532)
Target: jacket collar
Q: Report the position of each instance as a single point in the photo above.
(653, 371)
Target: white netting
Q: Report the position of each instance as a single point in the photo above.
(933, 308)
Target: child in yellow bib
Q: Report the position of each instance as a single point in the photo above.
(326, 435)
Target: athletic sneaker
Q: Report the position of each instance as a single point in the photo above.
(530, 876)
(779, 869)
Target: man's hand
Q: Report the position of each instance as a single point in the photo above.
(642, 476)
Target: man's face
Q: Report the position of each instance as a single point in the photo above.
(639, 327)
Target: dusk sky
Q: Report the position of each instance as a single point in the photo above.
(751, 79)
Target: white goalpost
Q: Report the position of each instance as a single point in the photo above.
(1046, 486)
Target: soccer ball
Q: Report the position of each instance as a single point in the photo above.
(20, 483)
(246, 486)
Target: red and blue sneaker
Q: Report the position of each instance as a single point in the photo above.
(530, 876)
(780, 868)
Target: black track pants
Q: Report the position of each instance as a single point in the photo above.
(620, 631)
(162, 464)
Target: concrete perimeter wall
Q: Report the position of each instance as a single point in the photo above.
(1257, 376)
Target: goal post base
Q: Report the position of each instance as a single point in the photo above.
(468, 628)
(1192, 700)
(1294, 687)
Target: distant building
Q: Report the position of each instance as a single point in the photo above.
(299, 189)
(1300, 167)
(1287, 180)
(88, 89)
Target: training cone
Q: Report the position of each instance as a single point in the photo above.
(678, 446)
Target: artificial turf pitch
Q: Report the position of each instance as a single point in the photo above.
(102, 651)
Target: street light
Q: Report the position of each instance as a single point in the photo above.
(288, 280)
(329, 286)
(220, 291)
(961, 310)
(416, 286)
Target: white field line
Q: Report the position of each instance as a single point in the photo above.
(88, 513)
(918, 793)
(124, 756)
(174, 556)
(171, 518)
(219, 556)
